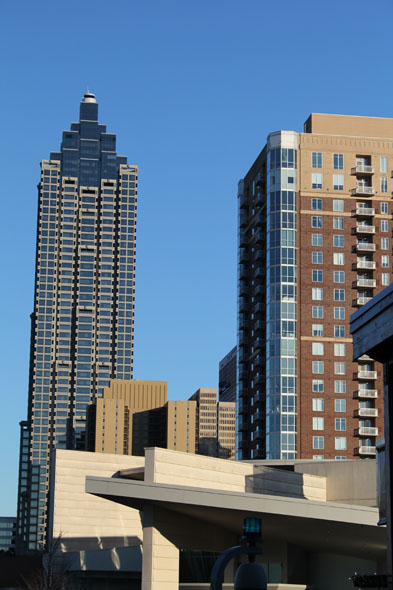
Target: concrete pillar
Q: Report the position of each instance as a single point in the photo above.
(160, 565)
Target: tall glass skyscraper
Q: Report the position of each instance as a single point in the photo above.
(83, 319)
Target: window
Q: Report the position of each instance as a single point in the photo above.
(317, 257)
(384, 184)
(384, 208)
(317, 347)
(339, 331)
(338, 241)
(338, 258)
(340, 424)
(340, 405)
(317, 239)
(317, 330)
(318, 385)
(318, 442)
(338, 205)
(316, 160)
(385, 279)
(340, 443)
(338, 185)
(318, 457)
(339, 349)
(318, 367)
(316, 180)
(339, 294)
(339, 368)
(384, 225)
(317, 311)
(340, 386)
(316, 204)
(317, 276)
(339, 276)
(318, 423)
(338, 161)
(316, 221)
(339, 313)
(318, 404)
(384, 164)
(385, 261)
(338, 222)
(317, 294)
(384, 243)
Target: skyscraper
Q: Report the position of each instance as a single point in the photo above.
(315, 243)
(83, 319)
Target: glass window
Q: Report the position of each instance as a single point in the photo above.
(384, 184)
(384, 164)
(384, 243)
(316, 180)
(317, 330)
(338, 185)
(317, 276)
(316, 160)
(316, 204)
(317, 293)
(316, 221)
(318, 367)
(384, 225)
(338, 258)
(338, 241)
(317, 311)
(384, 208)
(340, 405)
(318, 385)
(317, 257)
(339, 276)
(339, 368)
(318, 442)
(339, 294)
(340, 386)
(385, 261)
(317, 348)
(338, 161)
(338, 204)
(339, 349)
(318, 404)
(318, 423)
(338, 222)
(340, 443)
(339, 331)
(385, 279)
(339, 313)
(317, 239)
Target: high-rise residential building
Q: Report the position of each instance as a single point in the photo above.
(315, 243)
(133, 415)
(227, 377)
(82, 323)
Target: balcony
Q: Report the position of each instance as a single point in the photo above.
(364, 211)
(365, 247)
(366, 374)
(365, 394)
(366, 283)
(365, 450)
(366, 413)
(243, 288)
(259, 236)
(243, 270)
(259, 326)
(361, 300)
(260, 272)
(363, 190)
(363, 228)
(366, 264)
(362, 169)
(260, 290)
(243, 255)
(243, 219)
(259, 343)
(243, 201)
(366, 431)
(259, 254)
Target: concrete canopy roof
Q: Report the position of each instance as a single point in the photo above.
(315, 526)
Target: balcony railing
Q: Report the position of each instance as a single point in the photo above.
(362, 228)
(367, 431)
(366, 413)
(361, 300)
(368, 264)
(361, 189)
(367, 374)
(365, 211)
(366, 393)
(365, 450)
(366, 283)
(365, 247)
(362, 169)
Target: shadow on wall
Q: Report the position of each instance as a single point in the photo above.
(276, 482)
(103, 553)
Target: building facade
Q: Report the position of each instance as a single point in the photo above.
(315, 244)
(82, 323)
(227, 377)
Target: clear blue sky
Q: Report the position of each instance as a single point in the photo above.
(191, 88)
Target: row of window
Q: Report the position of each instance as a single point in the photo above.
(318, 405)
(338, 205)
(340, 442)
(338, 182)
(338, 161)
(318, 423)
